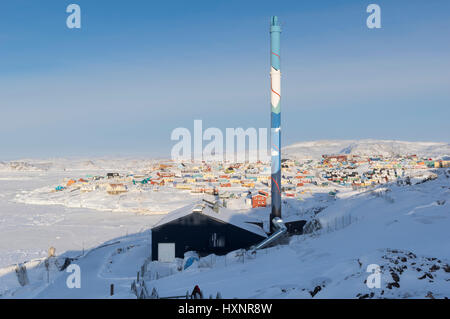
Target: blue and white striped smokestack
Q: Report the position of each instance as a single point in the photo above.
(275, 97)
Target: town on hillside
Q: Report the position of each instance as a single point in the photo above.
(247, 185)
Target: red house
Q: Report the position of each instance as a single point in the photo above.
(157, 182)
(290, 195)
(163, 174)
(259, 201)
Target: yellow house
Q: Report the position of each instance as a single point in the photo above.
(183, 186)
(439, 164)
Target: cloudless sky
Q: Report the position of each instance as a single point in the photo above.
(138, 69)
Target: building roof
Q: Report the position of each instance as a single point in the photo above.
(225, 215)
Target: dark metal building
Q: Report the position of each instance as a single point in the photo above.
(205, 230)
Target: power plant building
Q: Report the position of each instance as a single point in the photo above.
(205, 230)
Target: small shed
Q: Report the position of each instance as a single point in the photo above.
(116, 189)
(71, 182)
(197, 227)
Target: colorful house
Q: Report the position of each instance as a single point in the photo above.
(259, 201)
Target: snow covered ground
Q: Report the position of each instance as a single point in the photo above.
(138, 201)
(403, 229)
(27, 231)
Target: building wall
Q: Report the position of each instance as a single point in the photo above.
(295, 227)
(196, 232)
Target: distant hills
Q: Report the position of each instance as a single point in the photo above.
(301, 150)
(315, 149)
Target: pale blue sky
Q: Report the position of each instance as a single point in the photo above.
(138, 69)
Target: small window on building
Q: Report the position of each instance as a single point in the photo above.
(217, 240)
(166, 252)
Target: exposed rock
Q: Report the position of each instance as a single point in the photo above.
(395, 277)
(315, 291)
(429, 295)
(434, 268)
(393, 284)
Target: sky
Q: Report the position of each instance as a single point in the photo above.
(138, 69)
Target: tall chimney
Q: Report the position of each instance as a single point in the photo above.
(275, 118)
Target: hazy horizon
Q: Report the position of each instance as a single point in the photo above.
(148, 156)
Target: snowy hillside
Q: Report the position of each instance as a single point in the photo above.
(66, 164)
(391, 212)
(402, 229)
(18, 166)
(316, 149)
